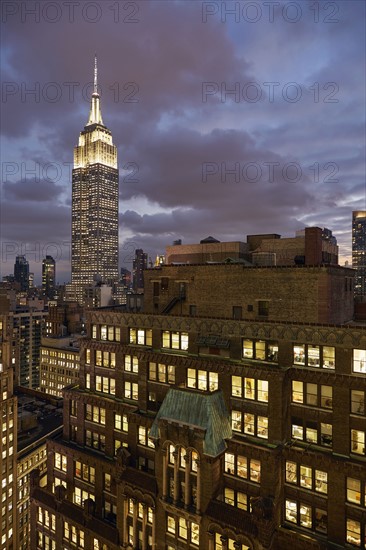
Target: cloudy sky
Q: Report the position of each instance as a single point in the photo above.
(230, 118)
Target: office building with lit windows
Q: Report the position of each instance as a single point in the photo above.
(39, 418)
(49, 277)
(59, 364)
(8, 408)
(28, 326)
(214, 420)
(359, 252)
(94, 232)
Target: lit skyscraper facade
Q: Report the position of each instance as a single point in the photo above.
(359, 251)
(94, 203)
(49, 276)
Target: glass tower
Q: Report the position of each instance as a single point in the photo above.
(49, 276)
(21, 272)
(359, 251)
(94, 233)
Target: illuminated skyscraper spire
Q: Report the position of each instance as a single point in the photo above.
(95, 115)
(95, 182)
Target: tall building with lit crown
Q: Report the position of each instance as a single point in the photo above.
(94, 248)
(359, 252)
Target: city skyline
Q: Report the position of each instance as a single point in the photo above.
(196, 97)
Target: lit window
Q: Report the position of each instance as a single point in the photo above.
(291, 511)
(171, 524)
(195, 534)
(262, 350)
(359, 360)
(131, 364)
(314, 356)
(358, 402)
(305, 516)
(182, 528)
(131, 390)
(358, 442)
(175, 340)
(142, 337)
(297, 391)
(354, 532)
(354, 490)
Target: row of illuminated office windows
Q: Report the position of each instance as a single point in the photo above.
(220, 542)
(32, 461)
(183, 529)
(250, 388)
(242, 467)
(45, 518)
(318, 395)
(263, 350)
(316, 519)
(82, 471)
(170, 339)
(98, 415)
(179, 454)
(250, 424)
(322, 434)
(304, 515)
(317, 480)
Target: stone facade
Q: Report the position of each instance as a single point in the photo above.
(299, 294)
(293, 472)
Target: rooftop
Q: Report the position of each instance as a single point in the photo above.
(38, 418)
(199, 410)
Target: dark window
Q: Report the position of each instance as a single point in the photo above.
(192, 310)
(237, 312)
(263, 307)
(182, 290)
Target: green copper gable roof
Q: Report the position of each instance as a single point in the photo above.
(205, 411)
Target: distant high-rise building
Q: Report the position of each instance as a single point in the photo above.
(138, 266)
(126, 277)
(27, 331)
(8, 437)
(21, 272)
(55, 373)
(31, 280)
(359, 251)
(48, 276)
(94, 248)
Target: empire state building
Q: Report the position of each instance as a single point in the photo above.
(94, 233)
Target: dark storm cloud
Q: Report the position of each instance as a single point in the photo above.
(44, 222)
(34, 191)
(194, 170)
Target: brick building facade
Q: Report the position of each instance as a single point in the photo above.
(213, 430)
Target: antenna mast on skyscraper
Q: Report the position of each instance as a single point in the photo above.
(95, 75)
